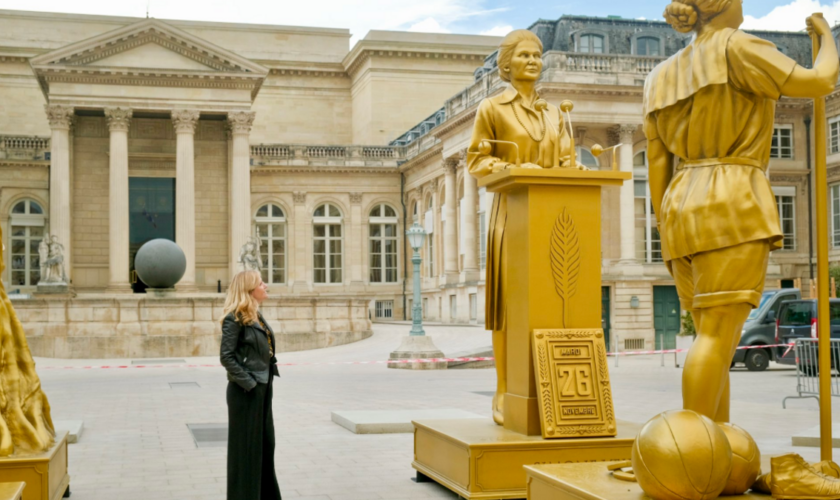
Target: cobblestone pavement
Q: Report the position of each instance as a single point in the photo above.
(136, 444)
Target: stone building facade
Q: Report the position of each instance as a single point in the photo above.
(115, 130)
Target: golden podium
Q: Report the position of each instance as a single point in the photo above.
(483, 460)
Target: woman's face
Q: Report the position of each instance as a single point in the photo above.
(260, 293)
(526, 63)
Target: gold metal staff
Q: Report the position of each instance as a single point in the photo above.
(823, 321)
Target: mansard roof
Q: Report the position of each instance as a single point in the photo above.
(149, 52)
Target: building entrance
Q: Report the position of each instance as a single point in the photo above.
(666, 316)
(151, 215)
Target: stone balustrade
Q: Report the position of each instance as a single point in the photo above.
(20, 147)
(603, 69)
(333, 156)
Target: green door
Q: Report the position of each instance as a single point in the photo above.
(666, 316)
(151, 215)
(605, 315)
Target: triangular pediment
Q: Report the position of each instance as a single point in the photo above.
(150, 44)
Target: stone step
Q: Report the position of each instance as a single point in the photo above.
(479, 352)
(393, 421)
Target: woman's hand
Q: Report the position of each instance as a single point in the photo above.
(500, 165)
(568, 164)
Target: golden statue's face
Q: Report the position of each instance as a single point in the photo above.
(526, 63)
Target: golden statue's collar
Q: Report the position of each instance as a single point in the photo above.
(510, 94)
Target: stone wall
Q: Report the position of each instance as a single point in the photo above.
(107, 326)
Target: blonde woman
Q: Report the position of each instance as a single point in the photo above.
(247, 353)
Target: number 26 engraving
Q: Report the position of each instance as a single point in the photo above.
(576, 380)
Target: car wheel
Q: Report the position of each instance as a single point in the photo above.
(757, 360)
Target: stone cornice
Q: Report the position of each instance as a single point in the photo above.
(299, 169)
(436, 150)
(363, 51)
(24, 163)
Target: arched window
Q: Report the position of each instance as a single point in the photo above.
(27, 230)
(271, 224)
(586, 158)
(327, 247)
(648, 46)
(593, 44)
(430, 237)
(417, 212)
(383, 244)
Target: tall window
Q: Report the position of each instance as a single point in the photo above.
(417, 212)
(27, 230)
(586, 158)
(271, 224)
(782, 146)
(835, 215)
(430, 237)
(383, 244)
(647, 46)
(593, 44)
(787, 217)
(327, 247)
(834, 135)
(648, 242)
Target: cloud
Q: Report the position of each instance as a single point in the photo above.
(791, 17)
(498, 30)
(359, 16)
(428, 25)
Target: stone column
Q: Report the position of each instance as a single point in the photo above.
(185, 121)
(471, 271)
(61, 119)
(450, 233)
(119, 120)
(355, 231)
(626, 207)
(240, 184)
(302, 274)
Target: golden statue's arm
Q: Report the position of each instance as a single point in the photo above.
(820, 80)
(660, 171)
(479, 163)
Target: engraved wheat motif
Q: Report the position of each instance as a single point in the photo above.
(605, 383)
(565, 259)
(545, 382)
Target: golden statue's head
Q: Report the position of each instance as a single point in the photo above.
(690, 15)
(516, 56)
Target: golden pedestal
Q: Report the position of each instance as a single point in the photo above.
(45, 474)
(588, 482)
(478, 459)
(11, 491)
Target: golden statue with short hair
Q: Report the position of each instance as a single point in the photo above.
(513, 129)
(25, 423)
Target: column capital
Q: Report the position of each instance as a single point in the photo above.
(450, 165)
(185, 120)
(356, 198)
(299, 197)
(119, 119)
(240, 121)
(59, 116)
(626, 132)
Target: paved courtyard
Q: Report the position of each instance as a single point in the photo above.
(136, 444)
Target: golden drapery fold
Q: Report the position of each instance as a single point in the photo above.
(25, 423)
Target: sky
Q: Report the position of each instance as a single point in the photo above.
(489, 17)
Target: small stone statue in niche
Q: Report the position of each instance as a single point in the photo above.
(249, 255)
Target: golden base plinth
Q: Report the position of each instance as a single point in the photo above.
(478, 459)
(11, 491)
(45, 474)
(588, 482)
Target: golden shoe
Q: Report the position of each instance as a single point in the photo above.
(827, 467)
(792, 478)
(762, 484)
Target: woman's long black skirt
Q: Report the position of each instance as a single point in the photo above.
(250, 463)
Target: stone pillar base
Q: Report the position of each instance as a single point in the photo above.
(162, 293)
(452, 278)
(119, 288)
(418, 347)
(52, 288)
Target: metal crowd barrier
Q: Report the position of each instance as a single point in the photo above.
(807, 369)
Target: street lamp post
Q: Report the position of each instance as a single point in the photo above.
(416, 236)
(417, 351)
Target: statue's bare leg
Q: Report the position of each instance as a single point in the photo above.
(500, 353)
(706, 373)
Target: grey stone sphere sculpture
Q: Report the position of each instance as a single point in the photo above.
(160, 263)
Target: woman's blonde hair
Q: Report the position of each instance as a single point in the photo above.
(239, 300)
(509, 45)
(686, 15)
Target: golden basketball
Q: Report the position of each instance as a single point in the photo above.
(746, 460)
(681, 455)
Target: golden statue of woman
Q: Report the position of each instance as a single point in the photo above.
(710, 109)
(518, 115)
(25, 423)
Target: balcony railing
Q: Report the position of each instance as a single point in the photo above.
(317, 155)
(22, 147)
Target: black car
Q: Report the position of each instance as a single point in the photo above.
(760, 329)
(798, 319)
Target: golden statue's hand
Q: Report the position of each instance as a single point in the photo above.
(817, 24)
(530, 165)
(568, 164)
(500, 165)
